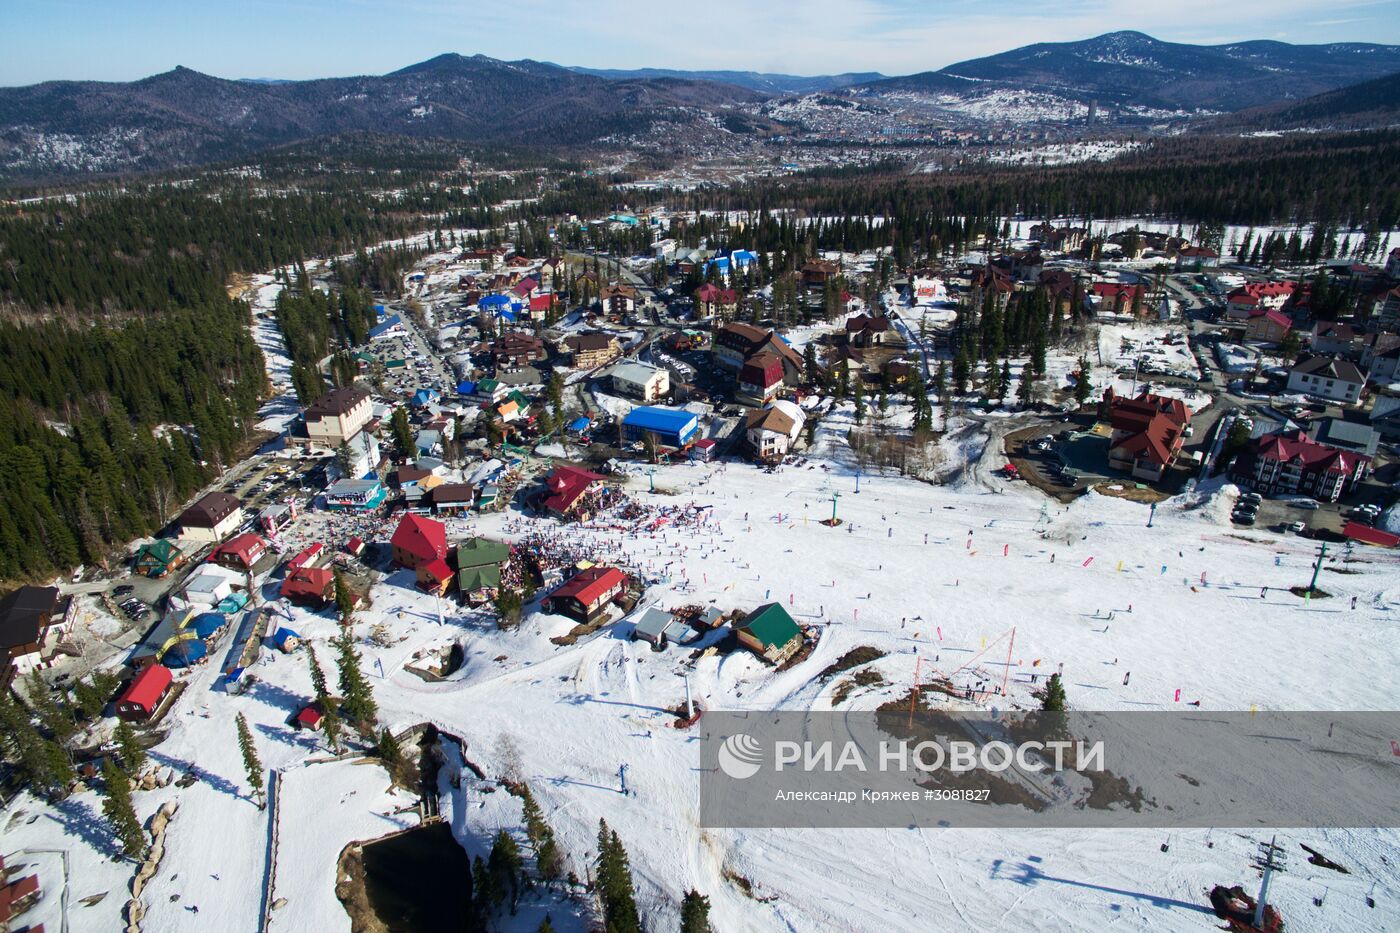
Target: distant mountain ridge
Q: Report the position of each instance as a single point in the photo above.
(184, 117)
(1136, 70)
(1368, 104)
(753, 80)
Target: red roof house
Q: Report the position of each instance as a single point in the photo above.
(434, 576)
(418, 541)
(541, 304)
(566, 487)
(240, 551)
(310, 586)
(587, 593)
(309, 718)
(1291, 463)
(142, 696)
(1148, 432)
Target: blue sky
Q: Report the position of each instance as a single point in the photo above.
(126, 39)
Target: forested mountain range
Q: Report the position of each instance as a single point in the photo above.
(182, 117)
(762, 82)
(1372, 103)
(1130, 69)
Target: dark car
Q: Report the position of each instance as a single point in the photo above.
(126, 589)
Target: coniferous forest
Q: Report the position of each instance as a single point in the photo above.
(128, 376)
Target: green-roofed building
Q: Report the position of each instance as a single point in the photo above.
(395, 364)
(158, 558)
(479, 563)
(770, 632)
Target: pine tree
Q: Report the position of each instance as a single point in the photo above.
(695, 913)
(120, 812)
(403, 433)
(548, 861)
(504, 866)
(318, 676)
(485, 896)
(344, 599)
(357, 701)
(546, 925)
(1004, 380)
(1054, 695)
(1026, 386)
(52, 711)
(1083, 385)
(331, 724)
(615, 884)
(250, 760)
(130, 751)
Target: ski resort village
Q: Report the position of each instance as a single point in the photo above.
(436, 653)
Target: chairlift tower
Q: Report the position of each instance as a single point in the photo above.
(1268, 860)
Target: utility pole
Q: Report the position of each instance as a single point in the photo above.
(651, 475)
(1317, 567)
(1151, 514)
(834, 496)
(1269, 860)
(689, 706)
(622, 779)
(857, 481)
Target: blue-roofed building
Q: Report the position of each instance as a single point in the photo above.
(742, 258)
(379, 311)
(389, 327)
(721, 263)
(185, 652)
(209, 624)
(579, 426)
(284, 639)
(673, 427)
(425, 397)
(466, 387)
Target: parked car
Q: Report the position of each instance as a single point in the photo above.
(126, 589)
(1243, 518)
(1295, 527)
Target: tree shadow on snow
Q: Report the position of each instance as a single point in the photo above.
(221, 784)
(79, 819)
(1029, 874)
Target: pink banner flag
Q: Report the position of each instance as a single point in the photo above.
(1177, 698)
(940, 632)
(1005, 550)
(1087, 562)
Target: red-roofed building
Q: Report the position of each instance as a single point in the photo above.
(1257, 296)
(713, 301)
(759, 379)
(240, 551)
(434, 577)
(526, 288)
(1368, 535)
(142, 697)
(309, 718)
(566, 488)
(15, 898)
(1267, 326)
(1117, 297)
(1291, 463)
(1148, 432)
(1198, 257)
(867, 330)
(418, 541)
(355, 546)
(587, 593)
(540, 305)
(309, 586)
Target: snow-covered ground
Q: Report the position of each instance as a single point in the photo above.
(916, 571)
